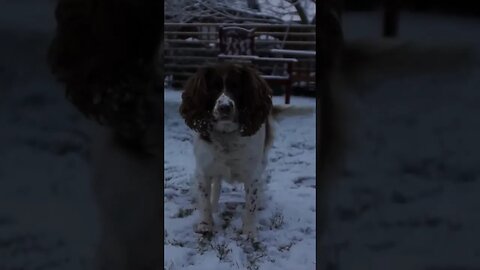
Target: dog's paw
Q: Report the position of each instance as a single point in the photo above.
(204, 227)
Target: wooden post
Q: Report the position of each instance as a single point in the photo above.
(288, 87)
(390, 18)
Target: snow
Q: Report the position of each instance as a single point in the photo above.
(408, 197)
(287, 225)
(47, 214)
(293, 52)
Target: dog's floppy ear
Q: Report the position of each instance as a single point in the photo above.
(194, 108)
(108, 73)
(256, 103)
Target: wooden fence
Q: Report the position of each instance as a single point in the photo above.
(191, 45)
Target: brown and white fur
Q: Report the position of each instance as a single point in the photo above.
(229, 106)
(127, 186)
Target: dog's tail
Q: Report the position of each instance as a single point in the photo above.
(279, 111)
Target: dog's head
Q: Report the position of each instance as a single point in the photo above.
(226, 97)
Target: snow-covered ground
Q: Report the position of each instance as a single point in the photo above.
(409, 195)
(287, 224)
(47, 215)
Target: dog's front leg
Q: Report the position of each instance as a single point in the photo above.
(204, 184)
(252, 193)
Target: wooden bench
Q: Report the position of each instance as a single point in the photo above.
(308, 78)
(238, 44)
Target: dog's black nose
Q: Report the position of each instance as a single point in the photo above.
(225, 108)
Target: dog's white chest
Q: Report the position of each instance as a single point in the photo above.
(230, 156)
(233, 158)
(227, 148)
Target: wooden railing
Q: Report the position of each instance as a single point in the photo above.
(192, 45)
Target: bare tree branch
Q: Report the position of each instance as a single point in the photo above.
(300, 10)
(290, 10)
(211, 10)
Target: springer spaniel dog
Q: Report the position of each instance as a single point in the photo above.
(229, 106)
(105, 53)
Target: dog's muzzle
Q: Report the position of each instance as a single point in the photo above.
(224, 108)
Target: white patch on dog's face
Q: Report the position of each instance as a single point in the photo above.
(225, 113)
(224, 108)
